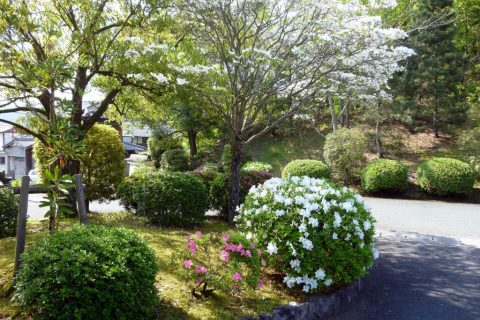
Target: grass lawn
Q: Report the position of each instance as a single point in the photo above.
(176, 300)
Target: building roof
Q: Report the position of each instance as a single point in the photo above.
(133, 147)
(24, 142)
(5, 127)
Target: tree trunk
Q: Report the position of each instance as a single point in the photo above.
(378, 139)
(235, 179)
(333, 113)
(192, 141)
(347, 115)
(72, 169)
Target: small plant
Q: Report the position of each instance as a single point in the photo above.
(313, 231)
(165, 198)
(310, 168)
(256, 166)
(344, 153)
(175, 160)
(444, 176)
(384, 175)
(8, 213)
(89, 272)
(220, 261)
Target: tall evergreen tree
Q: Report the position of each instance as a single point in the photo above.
(429, 86)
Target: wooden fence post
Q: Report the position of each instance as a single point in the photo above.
(22, 221)
(80, 192)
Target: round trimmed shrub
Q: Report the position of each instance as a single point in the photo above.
(314, 232)
(444, 176)
(102, 164)
(175, 160)
(384, 175)
(161, 142)
(344, 151)
(255, 166)
(207, 173)
(220, 188)
(309, 168)
(165, 198)
(8, 213)
(89, 272)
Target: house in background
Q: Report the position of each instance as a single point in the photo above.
(135, 138)
(16, 149)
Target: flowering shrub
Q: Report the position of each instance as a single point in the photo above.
(226, 261)
(255, 166)
(315, 232)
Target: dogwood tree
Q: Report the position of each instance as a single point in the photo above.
(268, 59)
(58, 57)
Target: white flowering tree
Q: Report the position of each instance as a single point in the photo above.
(269, 59)
(55, 53)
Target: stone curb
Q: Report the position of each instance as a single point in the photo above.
(317, 307)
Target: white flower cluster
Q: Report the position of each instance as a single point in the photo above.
(309, 212)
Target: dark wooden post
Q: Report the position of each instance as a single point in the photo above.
(22, 221)
(80, 193)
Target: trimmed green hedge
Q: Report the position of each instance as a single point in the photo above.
(311, 168)
(8, 212)
(89, 272)
(165, 198)
(175, 160)
(384, 175)
(444, 176)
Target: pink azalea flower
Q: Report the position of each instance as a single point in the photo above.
(259, 284)
(188, 263)
(225, 255)
(192, 246)
(248, 253)
(198, 234)
(252, 244)
(201, 269)
(237, 276)
(199, 280)
(225, 237)
(259, 253)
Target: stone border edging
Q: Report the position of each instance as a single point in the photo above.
(317, 307)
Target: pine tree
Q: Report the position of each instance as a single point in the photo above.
(429, 86)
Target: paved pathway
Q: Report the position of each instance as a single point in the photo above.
(425, 270)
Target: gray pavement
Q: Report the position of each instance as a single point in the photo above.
(429, 265)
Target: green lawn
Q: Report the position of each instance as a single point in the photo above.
(176, 300)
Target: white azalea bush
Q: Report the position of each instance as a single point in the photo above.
(316, 233)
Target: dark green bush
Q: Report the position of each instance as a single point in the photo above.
(444, 176)
(221, 185)
(89, 272)
(175, 160)
(159, 143)
(311, 168)
(384, 175)
(165, 198)
(8, 212)
(207, 173)
(255, 166)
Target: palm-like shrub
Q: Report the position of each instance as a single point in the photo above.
(384, 175)
(444, 176)
(89, 272)
(315, 232)
(309, 168)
